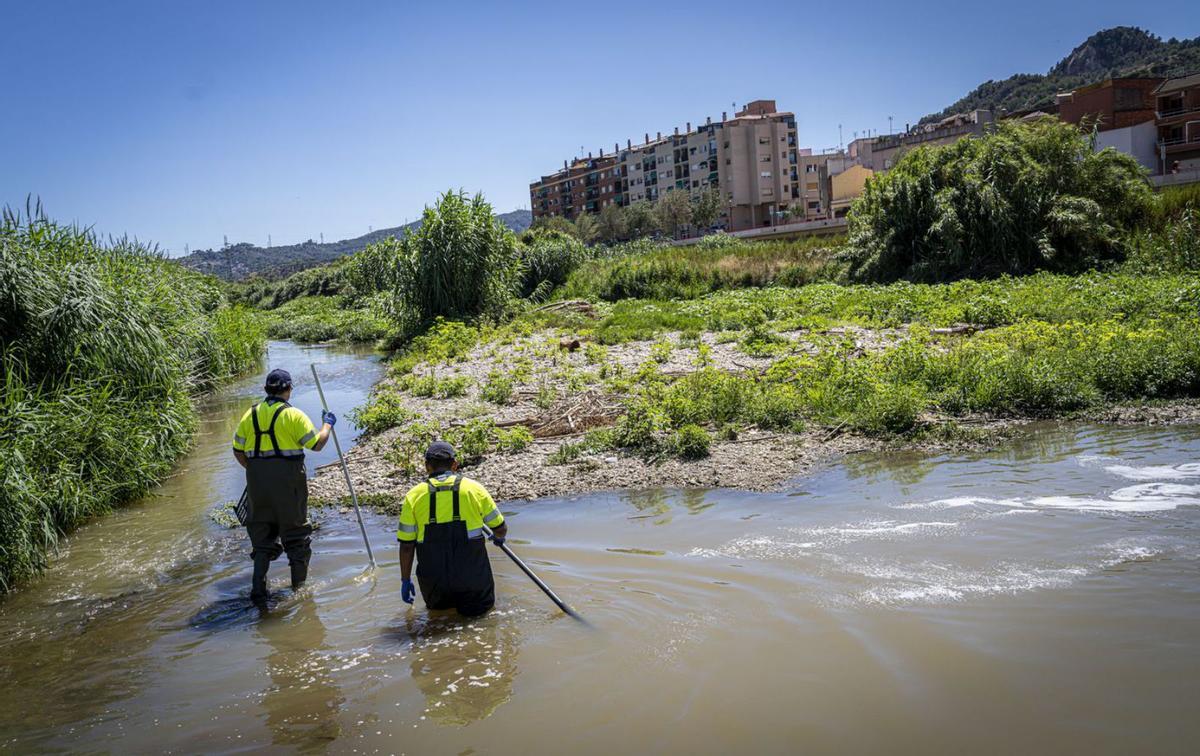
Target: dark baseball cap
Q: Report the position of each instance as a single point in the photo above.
(279, 380)
(439, 450)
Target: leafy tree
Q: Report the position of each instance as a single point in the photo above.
(707, 208)
(673, 209)
(1030, 196)
(554, 223)
(459, 264)
(611, 223)
(640, 220)
(587, 230)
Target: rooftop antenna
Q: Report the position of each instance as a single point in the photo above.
(322, 237)
(225, 240)
(839, 136)
(889, 125)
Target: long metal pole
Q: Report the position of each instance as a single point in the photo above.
(537, 580)
(345, 470)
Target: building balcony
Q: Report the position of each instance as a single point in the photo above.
(1177, 114)
(1175, 146)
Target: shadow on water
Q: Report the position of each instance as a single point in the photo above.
(465, 667)
(302, 704)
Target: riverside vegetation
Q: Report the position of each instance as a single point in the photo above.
(1019, 275)
(103, 348)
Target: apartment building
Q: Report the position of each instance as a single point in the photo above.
(1177, 102)
(813, 189)
(583, 185)
(750, 159)
(881, 153)
(1111, 104)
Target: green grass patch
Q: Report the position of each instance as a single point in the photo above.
(644, 270)
(313, 319)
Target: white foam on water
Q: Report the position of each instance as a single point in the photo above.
(793, 542)
(1156, 472)
(959, 502)
(758, 547)
(934, 582)
(1144, 497)
(1140, 498)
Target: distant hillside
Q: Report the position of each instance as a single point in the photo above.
(239, 261)
(1120, 51)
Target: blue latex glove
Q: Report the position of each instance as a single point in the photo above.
(329, 417)
(407, 592)
(497, 540)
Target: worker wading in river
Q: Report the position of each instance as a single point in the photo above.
(270, 442)
(441, 524)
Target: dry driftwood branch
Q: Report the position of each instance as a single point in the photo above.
(958, 328)
(574, 305)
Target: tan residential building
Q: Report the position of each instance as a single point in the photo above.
(881, 153)
(757, 152)
(812, 189)
(750, 159)
(847, 186)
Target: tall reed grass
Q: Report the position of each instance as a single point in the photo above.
(102, 348)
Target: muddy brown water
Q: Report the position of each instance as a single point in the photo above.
(1042, 598)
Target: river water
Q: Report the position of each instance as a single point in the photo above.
(1043, 598)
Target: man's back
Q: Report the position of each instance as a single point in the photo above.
(443, 521)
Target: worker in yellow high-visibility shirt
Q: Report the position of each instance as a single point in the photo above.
(441, 524)
(270, 442)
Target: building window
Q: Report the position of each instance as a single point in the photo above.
(765, 159)
(765, 174)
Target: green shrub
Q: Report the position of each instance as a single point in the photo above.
(513, 440)
(761, 341)
(691, 442)
(661, 350)
(595, 354)
(473, 440)
(566, 453)
(448, 388)
(1026, 197)
(384, 409)
(103, 348)
(547, 258)
(498, 388)
(459, 264)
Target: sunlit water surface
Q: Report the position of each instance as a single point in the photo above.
(1043, 598)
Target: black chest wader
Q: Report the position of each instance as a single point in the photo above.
(278, 492)
(452, 569)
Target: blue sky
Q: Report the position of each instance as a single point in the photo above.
(183, 122)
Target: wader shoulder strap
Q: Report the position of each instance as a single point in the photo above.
(270, 432)
(432, 501)
(271, 427)
(433, 490)
(257, 431)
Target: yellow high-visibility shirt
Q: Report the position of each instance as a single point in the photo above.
(475, 507)
(293, 430)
